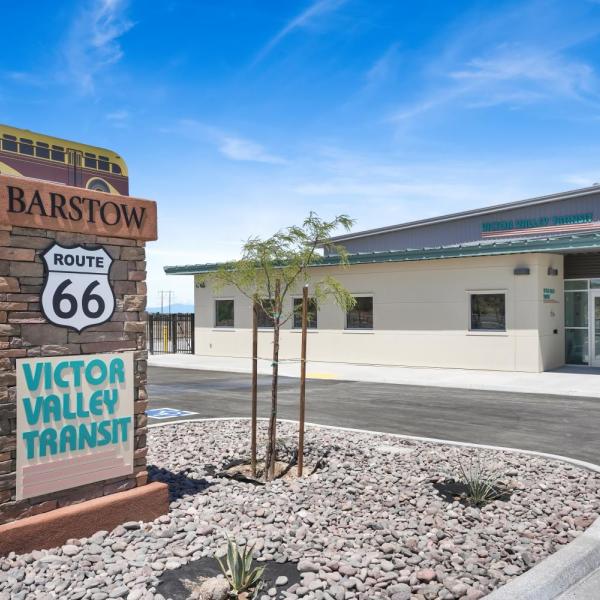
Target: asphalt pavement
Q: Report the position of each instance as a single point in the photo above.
(569, 426)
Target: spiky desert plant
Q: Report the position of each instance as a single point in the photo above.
(238, 570)
(481, 479)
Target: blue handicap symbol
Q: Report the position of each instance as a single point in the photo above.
(168, 413)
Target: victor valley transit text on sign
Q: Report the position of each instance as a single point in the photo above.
(74, 421)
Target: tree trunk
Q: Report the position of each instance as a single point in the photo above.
(271, 458)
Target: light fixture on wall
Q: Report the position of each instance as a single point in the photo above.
(521, 271)
(552, 271)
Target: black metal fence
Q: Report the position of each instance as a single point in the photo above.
(171, 334)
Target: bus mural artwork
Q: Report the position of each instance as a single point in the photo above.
(40, 156)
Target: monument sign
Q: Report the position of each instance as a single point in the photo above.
(72, 362)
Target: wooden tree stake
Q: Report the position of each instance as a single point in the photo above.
(254, 385)
(302, 380)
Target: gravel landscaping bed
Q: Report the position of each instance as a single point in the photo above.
(368, 524)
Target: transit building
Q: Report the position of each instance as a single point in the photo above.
(511, 287)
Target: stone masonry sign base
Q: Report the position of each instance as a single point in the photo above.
(36, 216)
(54, 528)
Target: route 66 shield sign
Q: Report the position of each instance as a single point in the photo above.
(77, 293)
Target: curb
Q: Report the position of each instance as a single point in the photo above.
(547, 580)
(559, 572)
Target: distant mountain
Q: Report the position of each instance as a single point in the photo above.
(175, 308)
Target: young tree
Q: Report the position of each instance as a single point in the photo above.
(272, 268)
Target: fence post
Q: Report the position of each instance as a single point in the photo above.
(174, 336)
(192, 322)
(150, 332)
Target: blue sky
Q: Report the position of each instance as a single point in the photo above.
(239, 117)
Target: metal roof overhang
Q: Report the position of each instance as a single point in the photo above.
(565, 244)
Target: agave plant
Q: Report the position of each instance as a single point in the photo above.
(238, 570)
(481, 480)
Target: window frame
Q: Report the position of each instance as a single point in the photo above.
(103, 164)
(299, 327)
(26, 143)
(359, 329)
(42, 150)
(58, 153)
(90, 161)
(487, 292)
(10, 140)
(261, 311)
(215, 323)
(215, 313)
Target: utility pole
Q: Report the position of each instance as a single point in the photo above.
(162, 297)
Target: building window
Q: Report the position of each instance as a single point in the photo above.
(99, 185)
(488, 312)
(58, 153)
(223, 313)
(361, 316)
(89, 160)
(265, 313)
(42, 150)
(9, 142)
(312, 313)
(116, 169)
(103, 163)
(26, 146)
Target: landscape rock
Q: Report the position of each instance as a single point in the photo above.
(371, 523)
(215, 588)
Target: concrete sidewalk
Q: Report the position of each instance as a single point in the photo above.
(568, 381)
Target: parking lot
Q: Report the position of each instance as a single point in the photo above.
(567, 426)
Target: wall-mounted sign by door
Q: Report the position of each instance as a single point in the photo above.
(77, 293)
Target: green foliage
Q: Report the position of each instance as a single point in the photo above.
(238, 569)
(269, 270)
(286, 256)
(480, 478)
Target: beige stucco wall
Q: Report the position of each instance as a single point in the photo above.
(421, 317)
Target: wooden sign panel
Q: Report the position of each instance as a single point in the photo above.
(40, 204)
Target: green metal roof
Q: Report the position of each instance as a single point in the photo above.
(557, 244)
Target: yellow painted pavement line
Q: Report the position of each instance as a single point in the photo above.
(321, 376)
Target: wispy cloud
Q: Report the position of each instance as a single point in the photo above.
(496, 62)
(232, 146)
(118, 118)
(548, 71)
(25, 78)
(237, 148)
(317, 9)
(92, 43)
(384, 67)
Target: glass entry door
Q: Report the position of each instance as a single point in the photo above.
(595, 327)
(577, 322)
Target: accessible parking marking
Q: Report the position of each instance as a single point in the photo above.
(168, 413)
